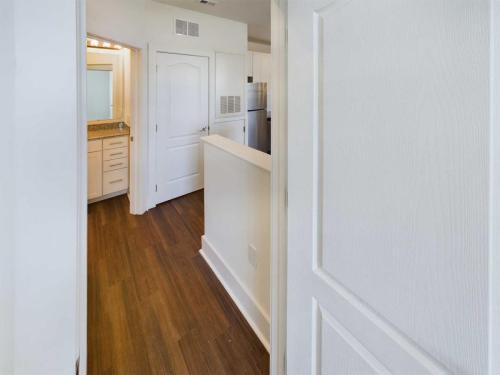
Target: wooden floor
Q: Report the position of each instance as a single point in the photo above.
(154, 306)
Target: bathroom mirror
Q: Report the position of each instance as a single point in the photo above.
(100, 92)
(105, 85)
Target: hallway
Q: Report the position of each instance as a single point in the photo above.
(154, 306)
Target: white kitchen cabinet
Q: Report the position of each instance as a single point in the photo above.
(261, 64)
(261, 71)
(94, 174)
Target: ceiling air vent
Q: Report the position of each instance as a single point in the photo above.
(187, 28)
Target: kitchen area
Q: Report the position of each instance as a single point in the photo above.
(259, 102)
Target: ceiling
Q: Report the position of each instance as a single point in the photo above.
(255, 13)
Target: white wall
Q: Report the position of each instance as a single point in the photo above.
(237, 215)
(259, 47)
(39, 187)
(138, 22)
(7, 68)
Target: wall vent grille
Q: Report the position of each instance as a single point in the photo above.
(187, 28)
(230, 104)
(193, 29)
(181, 27)
(223, 105)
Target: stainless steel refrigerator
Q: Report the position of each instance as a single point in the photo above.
(259, 129)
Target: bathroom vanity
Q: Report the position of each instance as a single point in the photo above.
(107, 161)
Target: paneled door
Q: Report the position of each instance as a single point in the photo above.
(182, 118)
(387, 186)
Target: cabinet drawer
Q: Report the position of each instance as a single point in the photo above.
(114, 181)
(111, 165)
(115, 153)
(94, 145)
(115, 142)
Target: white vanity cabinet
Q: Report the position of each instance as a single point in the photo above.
(94, 169)
(107, 163)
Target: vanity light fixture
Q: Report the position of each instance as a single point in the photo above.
(94, 43)
(106, 44)
(117, 46)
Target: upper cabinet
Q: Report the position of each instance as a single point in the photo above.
(261, 64)
(230, 80)
(259, 67)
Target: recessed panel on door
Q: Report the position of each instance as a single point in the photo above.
(387, 179)
(182, 118)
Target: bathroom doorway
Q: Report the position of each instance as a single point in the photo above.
(113, 121)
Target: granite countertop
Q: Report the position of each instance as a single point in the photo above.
(99, 131)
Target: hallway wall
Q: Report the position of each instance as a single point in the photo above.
(237, 240)
(7, 67)
(38, 190)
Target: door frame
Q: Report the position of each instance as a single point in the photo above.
(144, 64)
(137, 124)
(494, 193)
(279, 177)
(153, 50)
(278, 181)
(81, 149)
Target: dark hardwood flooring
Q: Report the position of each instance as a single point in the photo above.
(154, 305)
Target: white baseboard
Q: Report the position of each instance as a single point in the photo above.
(253, 313)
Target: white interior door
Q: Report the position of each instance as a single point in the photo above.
(388, 212)
(182, 118)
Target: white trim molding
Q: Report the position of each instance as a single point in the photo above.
(494, 194)
(81, 150)
(251, 310)
(279, 148)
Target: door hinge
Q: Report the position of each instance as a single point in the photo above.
(77, 366)
(131, 138)
(156, 188)
(157, 128)
(244, 129)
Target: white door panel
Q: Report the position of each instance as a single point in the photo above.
(182, 116)
(387, 273)
(184, 161)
